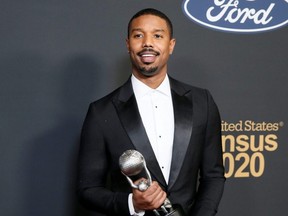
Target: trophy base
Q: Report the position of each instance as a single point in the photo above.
(177, 211)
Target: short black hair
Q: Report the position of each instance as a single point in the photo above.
(152, 11)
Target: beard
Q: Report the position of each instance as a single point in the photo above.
(148, 72)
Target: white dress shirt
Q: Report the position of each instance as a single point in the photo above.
(156, 111)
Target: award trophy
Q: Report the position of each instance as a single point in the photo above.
(132, 163)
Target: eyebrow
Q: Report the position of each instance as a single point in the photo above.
(139, 29)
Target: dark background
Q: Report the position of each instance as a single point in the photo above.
(57, 56)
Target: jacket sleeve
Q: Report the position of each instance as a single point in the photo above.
(211, 182)
(93, 165)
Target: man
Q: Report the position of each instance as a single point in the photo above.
(175, 126)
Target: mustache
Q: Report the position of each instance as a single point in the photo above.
(150, 50)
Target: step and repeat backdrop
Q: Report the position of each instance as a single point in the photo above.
(57, 56)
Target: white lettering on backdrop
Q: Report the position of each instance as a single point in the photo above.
(231, 13)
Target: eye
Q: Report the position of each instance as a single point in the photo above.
(158, 36)
(138, 36)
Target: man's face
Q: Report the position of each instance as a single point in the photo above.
(149, 45)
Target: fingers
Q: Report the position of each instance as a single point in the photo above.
(150, 199)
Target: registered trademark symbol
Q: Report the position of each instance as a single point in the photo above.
(281, 124)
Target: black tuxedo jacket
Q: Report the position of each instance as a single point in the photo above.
(113, 125)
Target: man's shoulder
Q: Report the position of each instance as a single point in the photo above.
(118, 93)
(107, 98)
(184, 87)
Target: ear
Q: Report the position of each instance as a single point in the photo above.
(127, 45)
(172, 45)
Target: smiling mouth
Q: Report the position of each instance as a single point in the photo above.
(148, 56)
(148, 52)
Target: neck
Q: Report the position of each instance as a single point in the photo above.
(153, 81)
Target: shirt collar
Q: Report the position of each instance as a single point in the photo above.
(140, 89)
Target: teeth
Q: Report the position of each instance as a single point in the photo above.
(147, 55)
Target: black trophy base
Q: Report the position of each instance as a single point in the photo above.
(176, 211)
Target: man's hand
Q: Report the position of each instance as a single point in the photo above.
(150, 199)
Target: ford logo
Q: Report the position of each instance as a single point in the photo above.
(240, 16)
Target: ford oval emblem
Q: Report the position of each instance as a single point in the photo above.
(240, 16)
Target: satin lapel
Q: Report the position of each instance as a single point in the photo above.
(183, 113)
(129, 115)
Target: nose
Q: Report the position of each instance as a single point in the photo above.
(147, 42)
